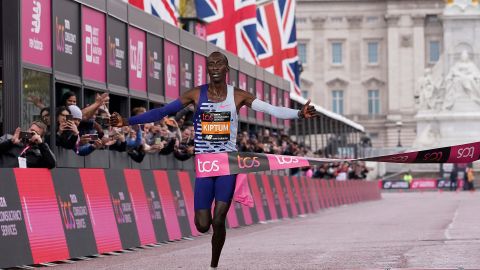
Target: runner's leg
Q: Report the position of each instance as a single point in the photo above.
(224, 188)
(204, 195)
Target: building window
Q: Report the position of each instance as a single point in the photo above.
(302, 52)
(305, 94)
(36, 95)
(373, 102)
(337, 53)
(373, 52)
(434, 51)
(337, 101)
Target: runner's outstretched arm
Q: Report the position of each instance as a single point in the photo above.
(307, 111)
(154, 114)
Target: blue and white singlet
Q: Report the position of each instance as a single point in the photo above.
(215, 123)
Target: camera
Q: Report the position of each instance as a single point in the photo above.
(25, 135)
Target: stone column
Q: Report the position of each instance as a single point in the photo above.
(418, 52)
(319, 57)
(393, 65)
(355, 51)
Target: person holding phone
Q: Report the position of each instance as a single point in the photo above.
(84, 145)
(216, 103)
(67, 131)
(26, 149)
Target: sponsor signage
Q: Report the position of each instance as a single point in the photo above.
(245, 161)
(172, 84)
(93, 46)
(36, 32)
(136, 59)
(273, 91)
(186, 70)
(260, 95)
(242, 84)
(154, 65)
(122, 208)
(251, 89)
(394, 184)
(279, 192)
(67, 36)
(260, 213)
(233, 77)
(187, 193)
(140, 206)
(423, 183)
(100, 208)
(168, 205)
(179, 203)
(42, 216)
(200, 69)
(74, 213)
(117, 52)
(154, 206)
(14, 245)
(443, 183)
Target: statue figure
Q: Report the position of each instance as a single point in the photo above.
(427, 92)
(463, 76)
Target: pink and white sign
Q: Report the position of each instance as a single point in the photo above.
(171, 70)
(259, 92)
(37, 32)
(242, 84)
(424, 183)
(200, 65)
(273, 92)
(280, 162)
(137, 59)
(93, 44)
(207, 165)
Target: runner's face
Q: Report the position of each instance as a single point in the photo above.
(217, 68)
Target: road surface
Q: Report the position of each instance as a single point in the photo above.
(429, 230)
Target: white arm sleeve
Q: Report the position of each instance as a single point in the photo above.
(279, 112)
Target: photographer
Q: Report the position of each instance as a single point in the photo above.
(26, 149)
(89, 140)
(67, 131)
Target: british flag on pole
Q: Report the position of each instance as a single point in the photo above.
(231, 25)
(166, 10)
(277, 40)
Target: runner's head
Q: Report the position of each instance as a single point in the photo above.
(217, 67)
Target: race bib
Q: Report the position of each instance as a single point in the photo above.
(216, 126)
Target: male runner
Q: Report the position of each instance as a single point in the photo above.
(225, 101)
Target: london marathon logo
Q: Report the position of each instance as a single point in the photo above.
(93, 51)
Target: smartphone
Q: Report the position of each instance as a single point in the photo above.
(158, 140)
(69, 117)
(93, 137)
(25, 135)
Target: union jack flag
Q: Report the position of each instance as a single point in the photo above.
(166, 10)
(231, 25)
(277, 40)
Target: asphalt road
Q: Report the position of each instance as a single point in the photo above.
(430, 230)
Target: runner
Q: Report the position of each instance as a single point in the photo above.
(216, 125)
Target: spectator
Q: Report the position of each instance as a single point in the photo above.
(26, 149)
(185, 149)
(88, 141)
(469, 178)
(67, 131)
(407, 177)
(453, 178)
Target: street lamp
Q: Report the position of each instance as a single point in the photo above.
(399, 130)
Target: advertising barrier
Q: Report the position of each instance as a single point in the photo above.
(52, 215)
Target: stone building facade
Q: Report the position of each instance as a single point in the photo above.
(363, 58)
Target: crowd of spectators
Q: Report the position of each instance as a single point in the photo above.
(87, 130)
